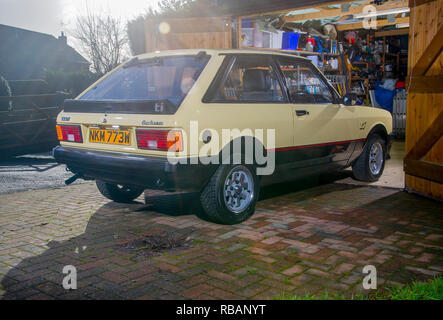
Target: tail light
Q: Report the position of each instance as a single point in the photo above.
(164, 140)
(69, 133)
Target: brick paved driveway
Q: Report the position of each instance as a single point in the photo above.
(301, 239)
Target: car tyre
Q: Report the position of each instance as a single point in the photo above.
(119, 193)
(370, 164)
(231, 194)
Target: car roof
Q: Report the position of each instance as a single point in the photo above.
(220, 52)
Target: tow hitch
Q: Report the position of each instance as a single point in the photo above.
(73, 178)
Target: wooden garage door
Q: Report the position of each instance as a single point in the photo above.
(424, 127)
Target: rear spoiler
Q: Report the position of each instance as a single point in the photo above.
(120, 106)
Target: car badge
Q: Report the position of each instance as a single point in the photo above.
(159, 107)
(104, 120)
(362, 125)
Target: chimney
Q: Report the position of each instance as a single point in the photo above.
(62, 38)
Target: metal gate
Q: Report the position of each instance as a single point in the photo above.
(28, 124)
(399, 115)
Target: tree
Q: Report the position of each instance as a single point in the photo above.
(171, 7)
(104, 40)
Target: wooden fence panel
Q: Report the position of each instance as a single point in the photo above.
(188, 33)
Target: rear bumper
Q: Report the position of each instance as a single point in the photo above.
(121, 168)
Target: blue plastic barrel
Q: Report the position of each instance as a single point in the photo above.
(290, 41)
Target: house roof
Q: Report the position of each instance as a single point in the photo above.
(24, 53)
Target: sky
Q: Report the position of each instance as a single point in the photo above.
(54, 16)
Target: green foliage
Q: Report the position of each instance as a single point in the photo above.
(136, 35)
(430, 290)
(70, 82)
(321, 296)
(252, 270)
(171, 8)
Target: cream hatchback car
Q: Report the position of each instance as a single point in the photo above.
(219, 122)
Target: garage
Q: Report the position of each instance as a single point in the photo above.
(324, 236)
(367, 49)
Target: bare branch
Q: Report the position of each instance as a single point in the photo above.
(103, 38)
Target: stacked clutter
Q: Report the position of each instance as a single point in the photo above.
(356, 62)
(377, 67)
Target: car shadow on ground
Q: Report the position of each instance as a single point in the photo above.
(178, 204)
(28, 163)
(107, 234)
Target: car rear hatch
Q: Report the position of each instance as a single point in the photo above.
(132, 109)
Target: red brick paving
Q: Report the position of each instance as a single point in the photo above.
(298, 241)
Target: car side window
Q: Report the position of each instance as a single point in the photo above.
(304, 84)
(250, 79)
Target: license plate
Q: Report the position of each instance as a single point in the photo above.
(110, 136)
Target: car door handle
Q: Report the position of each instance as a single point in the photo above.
(300, 113)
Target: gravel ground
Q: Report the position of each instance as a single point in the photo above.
(36, 171)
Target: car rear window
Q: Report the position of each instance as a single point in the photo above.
(163, 78)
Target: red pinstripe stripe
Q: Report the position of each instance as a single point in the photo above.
(315, 145)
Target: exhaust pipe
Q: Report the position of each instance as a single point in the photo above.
(73, 178)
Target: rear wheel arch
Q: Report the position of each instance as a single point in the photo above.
(242, 141)
(212, 195)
